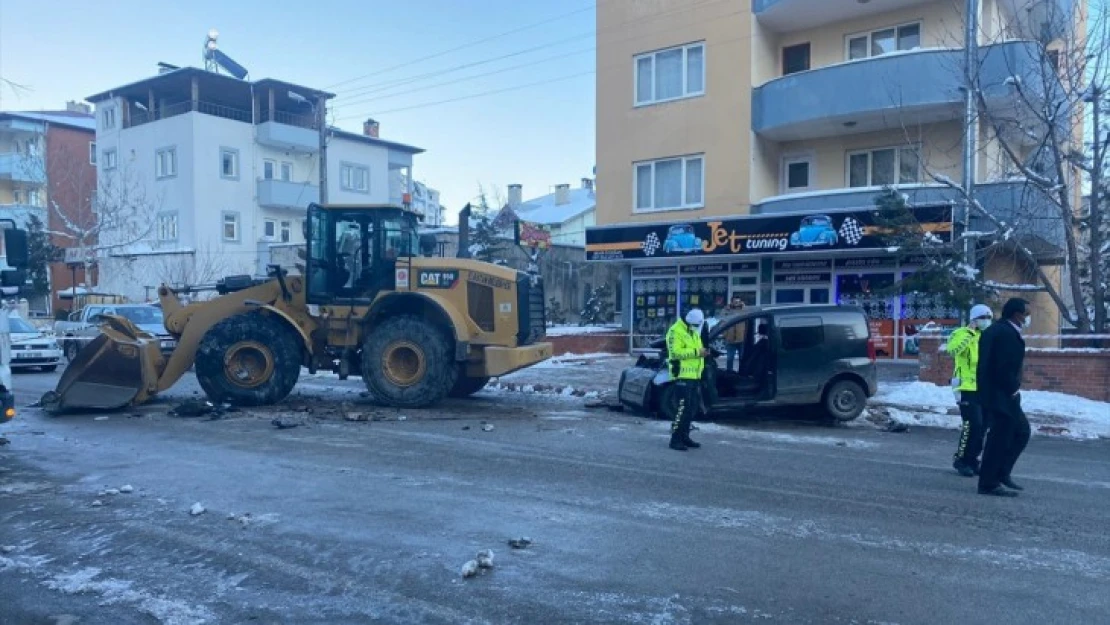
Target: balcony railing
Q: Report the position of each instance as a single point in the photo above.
(180, 108)
(289, 119)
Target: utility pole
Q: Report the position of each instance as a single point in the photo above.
(971, 126)
(322, 122)
(1097, 210)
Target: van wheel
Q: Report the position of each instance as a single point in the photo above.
(844, 400)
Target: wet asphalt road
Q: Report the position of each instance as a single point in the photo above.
(370, 522)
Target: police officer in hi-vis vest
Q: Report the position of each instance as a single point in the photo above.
(963, 346)
(686, 360)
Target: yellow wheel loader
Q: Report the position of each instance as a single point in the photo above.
(416, 328)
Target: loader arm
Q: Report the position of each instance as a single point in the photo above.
(190, 323)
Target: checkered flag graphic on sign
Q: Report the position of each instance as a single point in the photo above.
(851, 231)
(650, 244)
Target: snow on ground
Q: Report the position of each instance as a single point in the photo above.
(570, 330)
(1081, 417)
(575, 360)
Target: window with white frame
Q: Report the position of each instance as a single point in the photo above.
(92, 153)
(165, 163)
(286, 231)
(109, 118)
(109, 159)
(286, 171)
(354, 177)
(669, 183)
(884, 41)
(229, 163)
(166, 227)
(883, 166)
(17, 196)
(231, 227)
(269, 229)
(797, 173)
(670, 74)
(34, 198)
(269, 169)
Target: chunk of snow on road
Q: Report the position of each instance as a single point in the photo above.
(126, 488)
(485, 559)
(470, 569)
(197, 509)
(925, 419)
(487, 427)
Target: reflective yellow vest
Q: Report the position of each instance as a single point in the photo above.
(963, 346)
(684, 347)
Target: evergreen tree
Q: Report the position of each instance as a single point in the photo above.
(556, 315)
(486, 242)
(41, 252)
(599, 306)
(941, 270)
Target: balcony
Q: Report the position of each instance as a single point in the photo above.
(1018, 203)
(287, 194)
(21, 213)
(289, 132)
(18, 167)
(890, 91)
(784, 16)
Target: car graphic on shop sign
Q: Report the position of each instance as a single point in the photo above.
(681, 238)
(815, 230)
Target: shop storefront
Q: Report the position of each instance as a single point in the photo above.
(834, 258)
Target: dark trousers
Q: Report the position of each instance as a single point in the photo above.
(1009, 434)
(689, 402)
(971, 434)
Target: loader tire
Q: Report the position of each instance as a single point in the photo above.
(467, 386)
(408, 362)
(250, 359)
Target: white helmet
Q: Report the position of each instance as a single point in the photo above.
(695, 317)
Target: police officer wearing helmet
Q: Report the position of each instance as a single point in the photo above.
(963, 346)
(686, 361)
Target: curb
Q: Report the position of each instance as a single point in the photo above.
(543, 389)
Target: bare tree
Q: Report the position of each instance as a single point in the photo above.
(95, 215)
(1047, 130)
(188, 270)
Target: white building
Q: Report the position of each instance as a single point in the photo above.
(425, 200)
(208, 171)
(567, 212)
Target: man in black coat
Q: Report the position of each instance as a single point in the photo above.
(1001, 357)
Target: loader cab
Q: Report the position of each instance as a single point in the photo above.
(352, 251)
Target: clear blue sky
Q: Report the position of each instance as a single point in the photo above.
(538, 136)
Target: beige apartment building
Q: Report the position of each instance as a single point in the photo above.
(741, 145)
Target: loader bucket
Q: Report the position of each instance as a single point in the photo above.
(114, 370)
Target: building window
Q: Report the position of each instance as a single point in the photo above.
(269, 229)
(286, 231)
(269, 169)
(229, 163)
(875, 168)
(669, 183)
(34, 198)
(92, 153)
(231, 227)
(796, 173)
(1053, 57)
(17, 196)
(109, 159)
(286, 171)
(795, 58)
(885, 41)
(165, 163)
(166, 227)
(670, 74)
(109, 118)
(354, 177)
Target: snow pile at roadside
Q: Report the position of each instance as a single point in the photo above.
(575, 360)
(570, 330)
(1050, 412)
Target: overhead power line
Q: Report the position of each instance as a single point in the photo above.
(467, 45)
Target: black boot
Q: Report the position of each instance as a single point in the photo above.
(1007, 482)
(676, 442)
(689, 442)
(963, 469)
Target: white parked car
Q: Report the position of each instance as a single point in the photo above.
(32, 347)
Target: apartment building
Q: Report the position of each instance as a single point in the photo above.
(425, 201)
(221, 169)
(745, 144)
(47, 170)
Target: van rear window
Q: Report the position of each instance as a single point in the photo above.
(801, 333)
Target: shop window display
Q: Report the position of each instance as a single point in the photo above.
(654, 308)
(871, 291)
(919, 310)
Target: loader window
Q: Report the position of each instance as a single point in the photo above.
(400, 239)
(354, 253)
